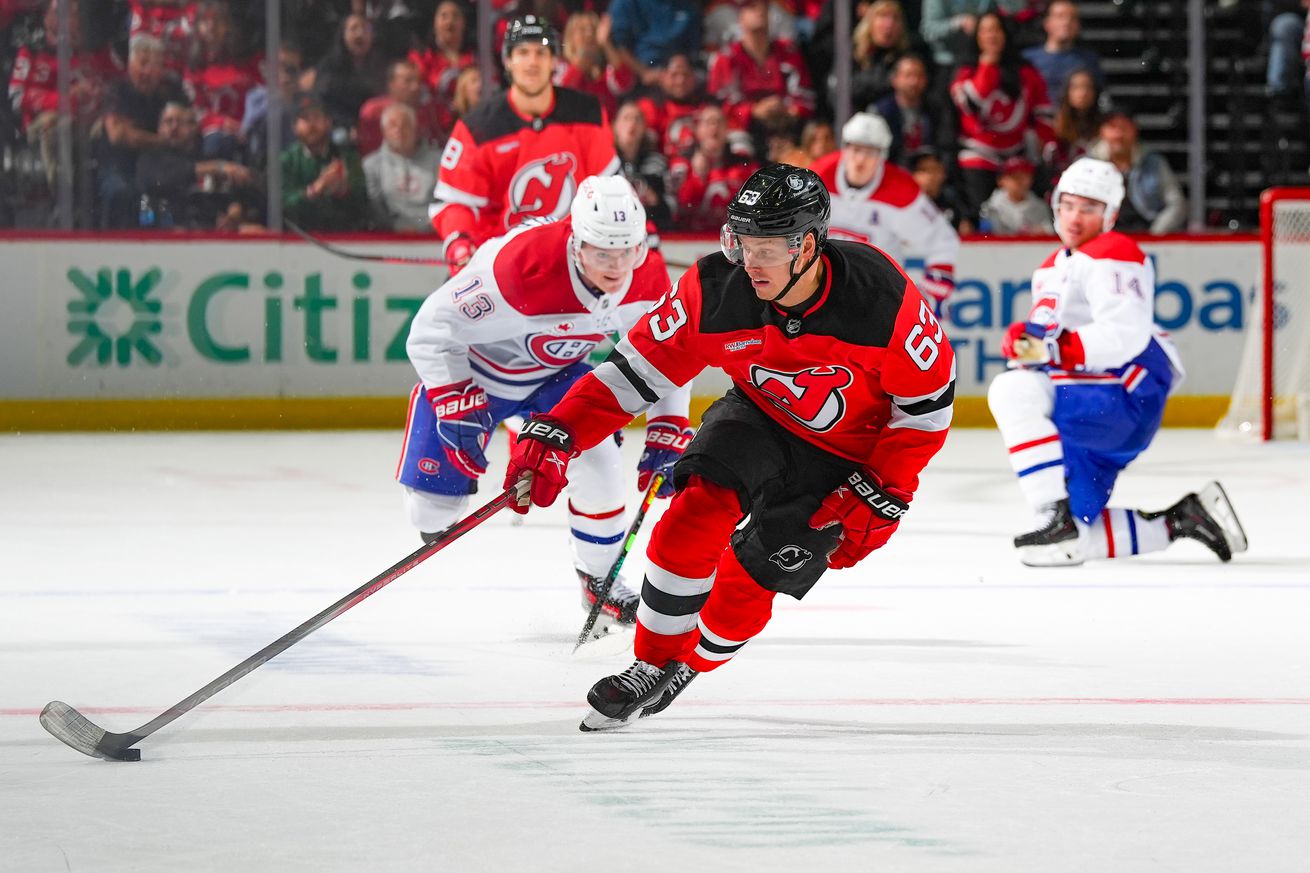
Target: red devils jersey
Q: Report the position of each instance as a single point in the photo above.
(739, 81)
(34, 83)
(993, 124)
(703, 200)
(866, 372)
(672, 122)
(440, 72)
(174, 23)
(501, 168)
(218, 90)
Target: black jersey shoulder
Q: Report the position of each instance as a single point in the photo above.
(866, 295)
(493, 118)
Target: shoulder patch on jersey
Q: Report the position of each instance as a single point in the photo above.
(1114, 246)
(532, 271)
(898, 187)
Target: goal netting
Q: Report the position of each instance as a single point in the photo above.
(1271, 397)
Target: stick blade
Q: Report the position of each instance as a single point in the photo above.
(76, 731)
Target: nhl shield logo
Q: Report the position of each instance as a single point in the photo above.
(791, 557)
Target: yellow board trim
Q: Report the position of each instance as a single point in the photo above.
(352, 413)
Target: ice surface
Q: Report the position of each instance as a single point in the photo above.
(938, 708)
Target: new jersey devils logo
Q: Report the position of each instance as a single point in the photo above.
(791, 557)
(543, 188)
(560, 351)
(813, 397)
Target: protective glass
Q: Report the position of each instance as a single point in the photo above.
(759, 251)
(597, 260)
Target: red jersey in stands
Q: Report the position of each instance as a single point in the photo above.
(865, 373)
(672, 121)
(439, 72)
(702, 201)
(993, 123)
(174, 23)
(34, 83)
(218, 91)
(501, 167)
(738, 81)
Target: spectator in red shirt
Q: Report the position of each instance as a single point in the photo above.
(403, 86)
(708, 178)
(1002, 99)
(173, 22)
(441, 60)
(762, 83)
(34, 88)
(671, 111)
(217, 79)
(592, 64)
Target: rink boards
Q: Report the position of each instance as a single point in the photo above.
(206, 332)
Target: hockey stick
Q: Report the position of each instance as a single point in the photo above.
(360, 256)
(655, 482)
(77, 731)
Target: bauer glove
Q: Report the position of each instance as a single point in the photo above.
(867, 512)
(666, 439)
(543, 451)
(463, 425)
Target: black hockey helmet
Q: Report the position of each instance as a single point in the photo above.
(529, 29)
(781, 200)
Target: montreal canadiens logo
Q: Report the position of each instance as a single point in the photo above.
(429, 466)
(542, 189)
(560, 351)
(1043, 312)
(791, 558)
(813, 397)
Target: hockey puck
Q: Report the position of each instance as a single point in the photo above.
(129, 755)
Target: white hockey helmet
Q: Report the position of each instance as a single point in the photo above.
(607, 214)
(867, 129)
(1096, 180)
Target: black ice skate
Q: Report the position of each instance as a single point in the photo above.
(620, 605)
(639, 691)
(1055, 543)
(1209, 519)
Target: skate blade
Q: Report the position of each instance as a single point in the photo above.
(594, 721)
(1215, 500)
(1065, 554)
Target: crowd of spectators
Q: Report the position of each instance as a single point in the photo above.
(987, 100)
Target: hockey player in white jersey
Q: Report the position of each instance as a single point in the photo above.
(1089, 376)
(876, 202)
(507, 337)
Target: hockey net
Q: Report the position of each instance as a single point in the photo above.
(1271, 398)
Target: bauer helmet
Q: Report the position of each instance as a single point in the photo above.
(867, 129)
(780, 200)
(1096, 180)
(529, 30)
(607, 214)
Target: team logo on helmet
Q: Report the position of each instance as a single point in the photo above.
(813, 397)
(791, 558)
(542, 188)
(795, 183)
(560, 351)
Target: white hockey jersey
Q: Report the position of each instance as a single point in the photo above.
(519, 313)
(1105, 293)
(891, 213)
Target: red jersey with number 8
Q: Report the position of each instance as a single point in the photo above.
(864, 372)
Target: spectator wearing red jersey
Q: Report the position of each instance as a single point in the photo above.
(404, 85)
(671, 111)
(710, 175)
(592, 64)
(761, 82)
(172, 22)
(34, 88)
(1001, 99)
(446, 53)
(218, 78)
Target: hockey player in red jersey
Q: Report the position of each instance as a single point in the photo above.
(842, 389)
(521, 153)
(1089, 379)
(877, 202)
(507, 337)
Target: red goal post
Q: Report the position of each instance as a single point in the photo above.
(1271, 395)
